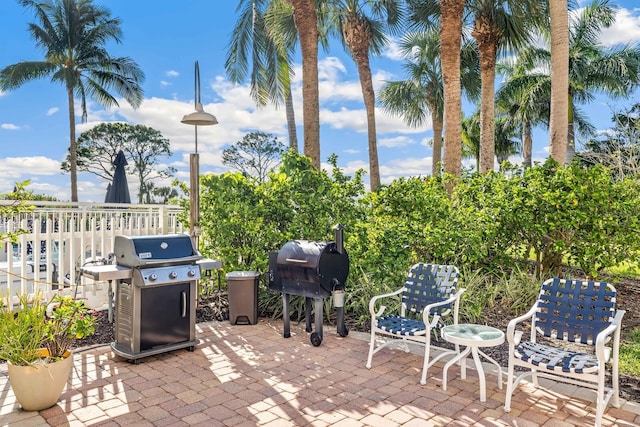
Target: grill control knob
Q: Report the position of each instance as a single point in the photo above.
(191, 273)
(173, 275)
(153, 277)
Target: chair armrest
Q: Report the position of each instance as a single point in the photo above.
(372, 302)
(511, 328)
(601, 339)
(453, 299)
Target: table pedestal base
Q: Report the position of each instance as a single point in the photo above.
(476, 353)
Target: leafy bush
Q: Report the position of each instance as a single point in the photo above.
(489, 226)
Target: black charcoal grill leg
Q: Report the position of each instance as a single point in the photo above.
(307, 314)
(338, 301)
(316, 337)
(285, 315)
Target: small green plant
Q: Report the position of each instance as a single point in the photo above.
(630, 353)
(33, 325)
(21, 331)
(68, 319)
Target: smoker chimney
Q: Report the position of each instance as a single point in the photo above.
(339, 239)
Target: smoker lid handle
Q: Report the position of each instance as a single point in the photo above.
(297, 261)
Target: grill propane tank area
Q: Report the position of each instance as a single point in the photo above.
(156, 293)
(314, 270)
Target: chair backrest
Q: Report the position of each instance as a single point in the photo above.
(429, 283)
(574, 310)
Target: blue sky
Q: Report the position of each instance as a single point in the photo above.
(165, 39)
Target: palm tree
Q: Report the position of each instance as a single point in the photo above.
(592, 68)
(501, 25)
(559, 115)
(73, 34)
(361, 24)
(505, 144)
(524, 100)
(471, 138)
(269, 49)
(615, 72)
(451, 12)
(505, 139)
(422, 94)
(305, 17)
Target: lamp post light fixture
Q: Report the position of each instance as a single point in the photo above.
(197, 118)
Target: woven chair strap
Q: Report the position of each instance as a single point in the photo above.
(429, 283)
(556, 359)
(575, 310)
(401, 325)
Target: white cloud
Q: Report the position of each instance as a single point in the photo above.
(172, 73)
(393, 51)
(626, 28)
(330, 68)
(409, 166)
(14, 167)
(398, 141)
(9, 126)
(165, 83)
(351, 167)
(51, 111)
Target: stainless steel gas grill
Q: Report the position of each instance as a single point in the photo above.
(156, 293)
(156, 306)
(315, 270)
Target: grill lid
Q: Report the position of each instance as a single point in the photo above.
(141, 251)
(309, 268)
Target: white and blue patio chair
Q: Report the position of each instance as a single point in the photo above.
(579, 327)
(430, 293)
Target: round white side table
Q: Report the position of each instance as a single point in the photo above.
(472, 337)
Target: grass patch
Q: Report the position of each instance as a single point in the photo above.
(626, 269)
(630, 353)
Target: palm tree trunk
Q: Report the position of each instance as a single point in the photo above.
(558, 121)
(436, 163)
(361, 56)
(571, 134)
(527, 143)
(306, 21)
(73, 153)
(451, 12)
(487, 49)
(291, 121)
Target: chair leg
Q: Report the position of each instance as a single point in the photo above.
(615, 383)
(534, 378)
(372, 345)
(510, 388)
(600, 399)
(427, 351)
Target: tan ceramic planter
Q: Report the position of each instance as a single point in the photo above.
(39, 387)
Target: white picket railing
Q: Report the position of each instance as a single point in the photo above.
(57, 238)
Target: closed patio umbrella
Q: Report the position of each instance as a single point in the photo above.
(106, 196)
(118, 192)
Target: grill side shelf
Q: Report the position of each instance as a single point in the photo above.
(101, 273)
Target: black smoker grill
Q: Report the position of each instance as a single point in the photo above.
(315, 270)
(156, 303)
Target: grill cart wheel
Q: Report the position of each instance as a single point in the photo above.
(316, 339)
(343, 332)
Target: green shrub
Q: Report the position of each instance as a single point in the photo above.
(490, 226)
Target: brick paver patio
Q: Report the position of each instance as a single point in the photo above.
(249, 375)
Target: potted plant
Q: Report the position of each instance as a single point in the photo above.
(36, 340)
